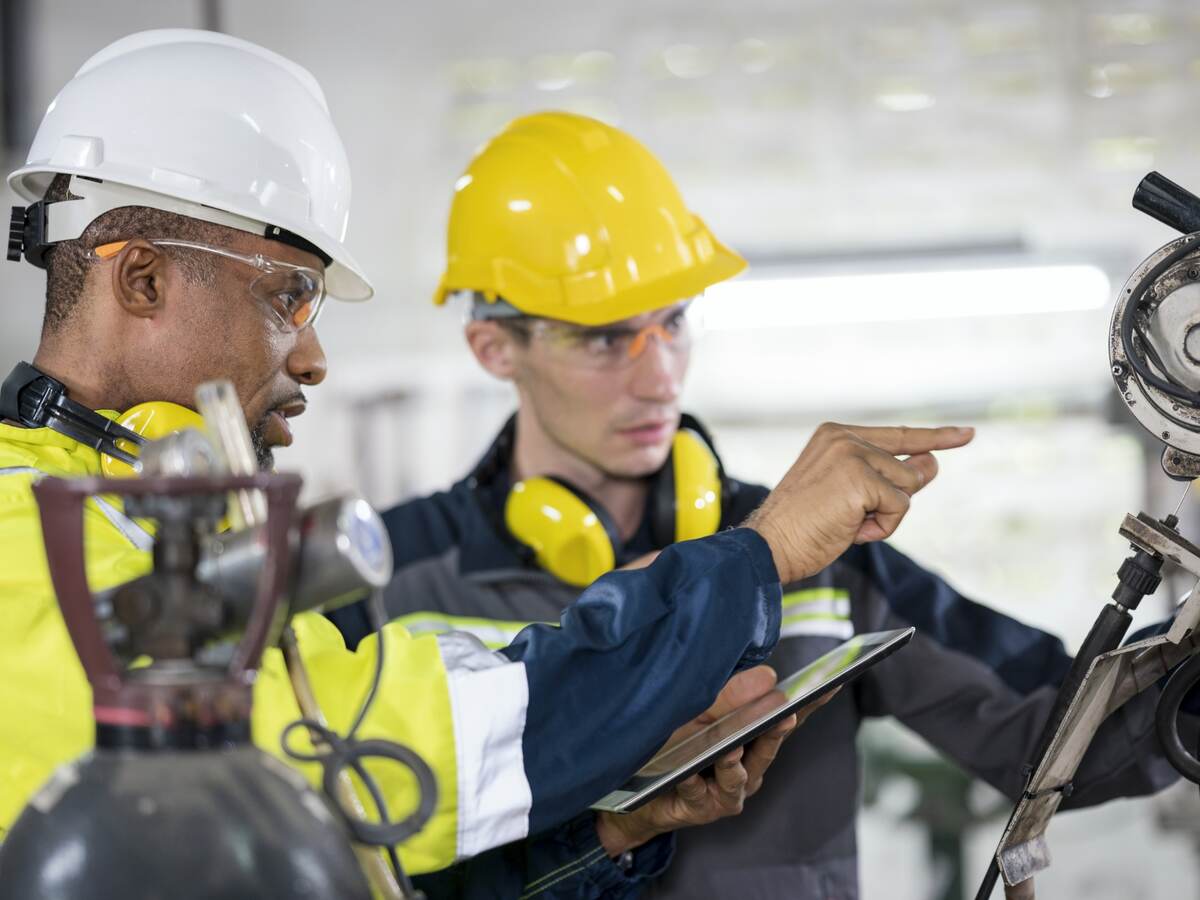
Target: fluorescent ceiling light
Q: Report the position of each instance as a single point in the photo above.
(904, 296)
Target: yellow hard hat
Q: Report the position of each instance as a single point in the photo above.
(565, 217)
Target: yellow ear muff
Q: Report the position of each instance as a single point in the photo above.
(697, 486)
(570, 538)
(152, 421)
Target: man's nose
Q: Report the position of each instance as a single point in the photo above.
(306, 363)
(658, 370)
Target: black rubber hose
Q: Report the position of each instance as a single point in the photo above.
(1106, 634)
(1166, 719)
(1162, 199)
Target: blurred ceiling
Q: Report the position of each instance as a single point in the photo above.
(795, 128)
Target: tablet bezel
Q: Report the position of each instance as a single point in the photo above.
(626, 799)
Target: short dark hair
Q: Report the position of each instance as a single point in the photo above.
(67, 262)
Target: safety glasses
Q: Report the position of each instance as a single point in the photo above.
(609, 347)
(295, 294)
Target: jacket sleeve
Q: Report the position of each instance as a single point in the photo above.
(979, 685)
(640, 653)
(524, 740)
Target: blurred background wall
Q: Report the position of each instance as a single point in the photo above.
(822, 140)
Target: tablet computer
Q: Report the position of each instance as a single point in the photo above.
(679, 761)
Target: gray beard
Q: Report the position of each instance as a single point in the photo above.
(263, 453)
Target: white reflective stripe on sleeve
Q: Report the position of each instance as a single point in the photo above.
(133, 532)
(494, 634)
(489, 697)
(820, 626)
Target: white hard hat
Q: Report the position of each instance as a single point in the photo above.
(205, 125)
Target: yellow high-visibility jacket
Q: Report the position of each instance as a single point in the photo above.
(45, 700)
(519, 740)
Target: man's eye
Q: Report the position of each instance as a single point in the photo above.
(676, 321)
(603, 341)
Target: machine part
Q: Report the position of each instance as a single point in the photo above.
(1174, 329)
(1162, 540)
(1154, 358)
(342, 551)
(1183, 497)
(1179, 465)
(1022, 862)
(174, 798)
(231, 823)
(1164, 200)
(129, 692)
(1137, 577)
(182, 454)
(1166, 719)
(1113, 679)
(1148, 353)
(218, 403)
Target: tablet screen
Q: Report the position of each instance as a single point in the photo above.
(807, 684)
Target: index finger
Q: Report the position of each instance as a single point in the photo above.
(903, 439)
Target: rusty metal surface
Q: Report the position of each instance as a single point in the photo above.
(1021, 862)
(1112, 681)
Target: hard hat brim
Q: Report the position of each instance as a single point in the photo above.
(643, 298)
(344, 278)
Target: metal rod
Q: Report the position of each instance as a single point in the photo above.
(218, 403)
(1179, 505)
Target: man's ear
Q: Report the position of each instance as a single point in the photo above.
(138, 278)
(494, 347)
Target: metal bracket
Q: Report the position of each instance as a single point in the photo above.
(1155, 537)
(1113, 680)
(1180, 465)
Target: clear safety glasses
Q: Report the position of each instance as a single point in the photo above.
(610, 347)
(295, 294)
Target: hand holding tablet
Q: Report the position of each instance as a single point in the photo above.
(796, 693)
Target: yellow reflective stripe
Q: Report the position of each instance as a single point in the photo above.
(494, 633)
(823, 612)
(810, 617)
(815, 595)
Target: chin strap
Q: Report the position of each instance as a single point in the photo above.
(36, 400)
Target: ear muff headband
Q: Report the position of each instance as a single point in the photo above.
(571, 536)
(35, 400)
